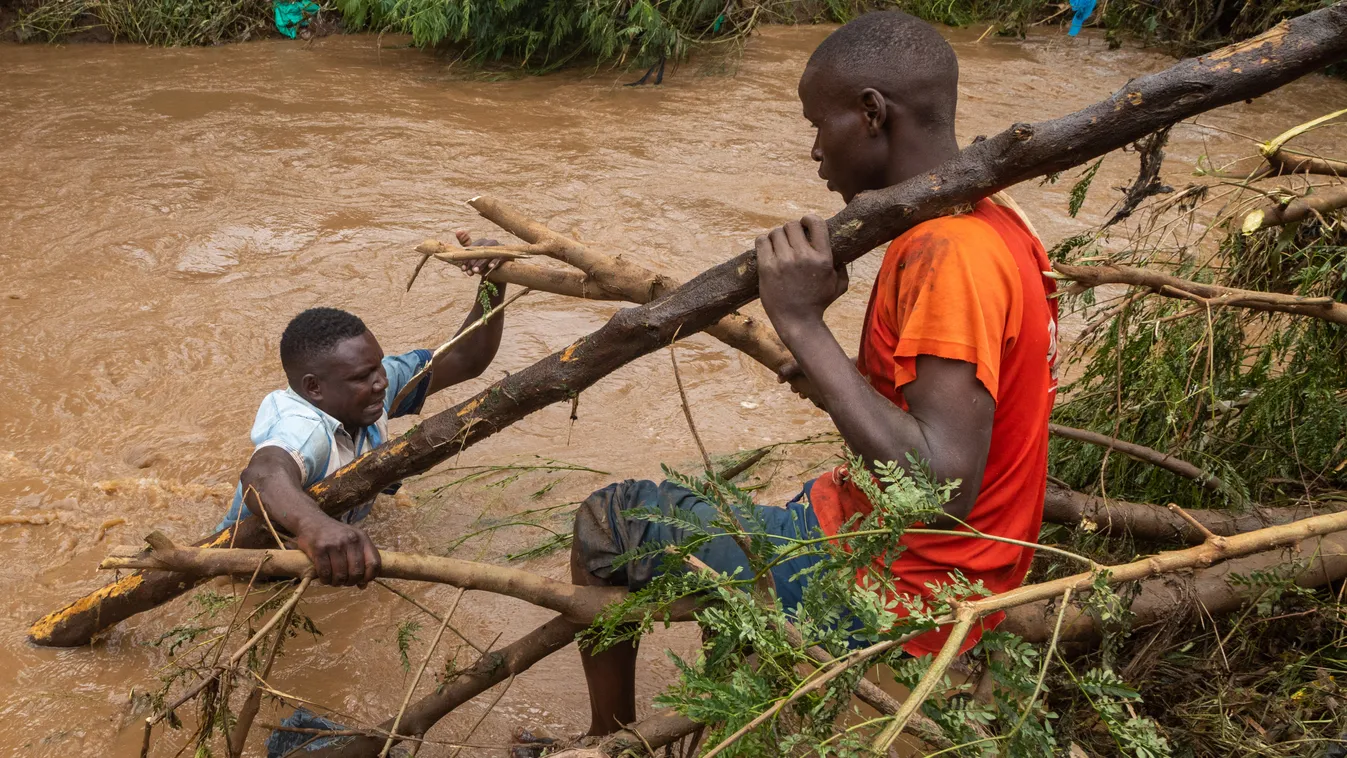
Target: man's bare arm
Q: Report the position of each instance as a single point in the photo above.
(469, 358)
(948, 423)
(950, 418)
(341, 553)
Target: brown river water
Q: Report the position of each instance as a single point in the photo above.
(163, 213)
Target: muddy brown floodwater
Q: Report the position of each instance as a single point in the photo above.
(163, 213)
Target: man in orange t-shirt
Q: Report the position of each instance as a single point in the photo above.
(955, 366)
(959, 344)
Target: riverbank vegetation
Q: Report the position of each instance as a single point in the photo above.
(537, 35)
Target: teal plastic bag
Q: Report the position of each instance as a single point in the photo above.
(290, 16)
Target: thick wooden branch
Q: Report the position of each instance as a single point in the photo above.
(624, 279)
(572, 601)
(1141, 453)
(1179, 598)
(1228, 75)
(1144, 521)
(1283, 162)
(1323, 200)
(1212, 295)
(552, 279)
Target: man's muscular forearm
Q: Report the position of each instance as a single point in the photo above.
(341, 554)
(873, 427)
(271, 482)
(948, 426)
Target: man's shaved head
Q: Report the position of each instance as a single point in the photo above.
(901, 56)
(887, 76)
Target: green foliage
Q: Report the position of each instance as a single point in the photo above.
(1081, 187)
(406, 636)
(1112, 699)
(748, 663)
(542, 35)
(1259, 400)
(151, 22)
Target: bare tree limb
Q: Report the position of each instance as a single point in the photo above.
(1141, 453)
(1210, 295)
(626, 280)
(1145, 521)
(1323, 200)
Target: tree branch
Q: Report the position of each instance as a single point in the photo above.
(1145, 521)
(623, 279)
(1210, 295)
(1323, 200)
(1141, 453)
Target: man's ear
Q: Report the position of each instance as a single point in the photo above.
(311, 388)
(876, 108)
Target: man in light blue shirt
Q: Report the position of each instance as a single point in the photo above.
(337, 407)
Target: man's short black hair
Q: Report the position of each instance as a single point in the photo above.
(314, 332)
(899, 55)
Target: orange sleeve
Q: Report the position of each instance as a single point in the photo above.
(958, 294)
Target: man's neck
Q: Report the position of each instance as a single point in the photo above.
(920, 154)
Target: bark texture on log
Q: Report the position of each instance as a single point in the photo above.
(1145, 521)
(1231, 74)
(1179, 598)
(1212, 295)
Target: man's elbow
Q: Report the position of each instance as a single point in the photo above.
(962, 500)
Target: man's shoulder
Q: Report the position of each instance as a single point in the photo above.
(284, 410)
(963, 232)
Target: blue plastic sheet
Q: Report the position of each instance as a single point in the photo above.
(291, 16)
(281, 743)
(1083, 9)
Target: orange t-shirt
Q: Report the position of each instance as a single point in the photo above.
(970, 288)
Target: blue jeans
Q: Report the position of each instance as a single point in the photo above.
(605, 528)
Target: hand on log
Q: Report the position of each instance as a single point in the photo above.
(1237, 72)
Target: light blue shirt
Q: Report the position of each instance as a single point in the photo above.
(318, 443)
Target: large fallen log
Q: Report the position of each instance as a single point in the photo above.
(1144, 521)
(1238, 72)
(1179, 598)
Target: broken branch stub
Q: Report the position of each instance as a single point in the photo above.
(1238, 72)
